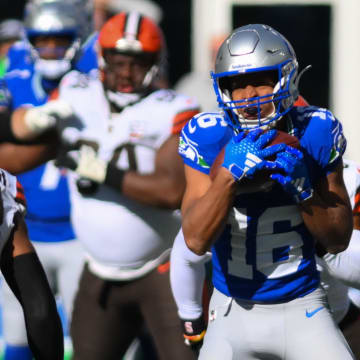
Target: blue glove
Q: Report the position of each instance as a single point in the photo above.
(296, 180)
(245, 153)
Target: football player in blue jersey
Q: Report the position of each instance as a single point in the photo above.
(51, 49)
(267, 303)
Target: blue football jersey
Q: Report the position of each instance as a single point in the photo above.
(265, 253)
(45, 187)
(20, 57)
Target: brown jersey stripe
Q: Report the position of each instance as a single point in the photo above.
(20, 196)
(54, 94)
(19, 187)
(181, 119)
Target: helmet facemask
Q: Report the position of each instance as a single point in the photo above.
(57, 20)
(282, 98)
(61, 63)
(120, 89)
(136, 37)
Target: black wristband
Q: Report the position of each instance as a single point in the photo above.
(320, 251)
(6, 133)
(114, 177)
(193, 327)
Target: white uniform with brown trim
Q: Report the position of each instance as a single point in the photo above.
(123, 238)
(12, 202)
(343, 268)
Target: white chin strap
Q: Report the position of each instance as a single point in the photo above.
(52, 69)
(122, 99)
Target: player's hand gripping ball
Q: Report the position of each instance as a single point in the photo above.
(261, 178)
(292, 174)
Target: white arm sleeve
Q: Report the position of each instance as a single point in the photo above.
(187, 275)
(345, 266)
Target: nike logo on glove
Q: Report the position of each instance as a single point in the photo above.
(310, 314)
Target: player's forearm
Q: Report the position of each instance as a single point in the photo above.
(187, 268)
(204, 220)
(329, 224)
(17, 158)
(18, 126)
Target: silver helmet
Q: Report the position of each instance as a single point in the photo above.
(53, 18)
(255, 48)
(84, 10)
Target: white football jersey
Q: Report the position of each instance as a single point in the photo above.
(117, 232)
(333, 267)
(12, 201)
(352, 179)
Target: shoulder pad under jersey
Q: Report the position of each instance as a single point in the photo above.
(202, 139)
(321, 134)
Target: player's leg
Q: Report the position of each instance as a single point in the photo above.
(350, 326)
(160, 313)
(16, 345)
(311, 332)
(71, 259)
(69, 256)
(101, 328)
(242, 330)
(25, 275)
(14, 331)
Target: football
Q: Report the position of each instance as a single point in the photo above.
(284, 137)
(261, 180)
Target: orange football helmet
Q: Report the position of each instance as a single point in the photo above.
(133, 34)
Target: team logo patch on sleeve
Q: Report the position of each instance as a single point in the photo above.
(187, 149)
(339, 146)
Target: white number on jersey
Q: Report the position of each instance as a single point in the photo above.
(277, 254)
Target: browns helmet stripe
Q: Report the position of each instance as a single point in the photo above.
(132, 26)
(131, 32)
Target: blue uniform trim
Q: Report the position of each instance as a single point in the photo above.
(17, 353)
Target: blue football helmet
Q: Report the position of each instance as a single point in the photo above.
(249, 49)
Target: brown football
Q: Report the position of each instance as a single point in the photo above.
(261, 180)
